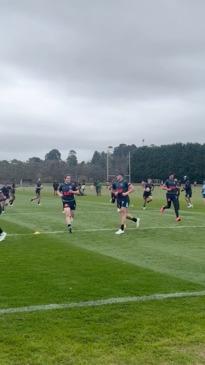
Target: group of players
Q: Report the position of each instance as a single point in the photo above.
(120, 192)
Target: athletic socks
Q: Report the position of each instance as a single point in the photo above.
(69, 228)
(132, 218)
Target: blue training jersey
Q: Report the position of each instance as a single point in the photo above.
(66, 190)
(172, 186)
(120, 187)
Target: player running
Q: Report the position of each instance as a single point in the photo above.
(67, 192)
(55, 187)
(203, 191)
(12, 194)
(38, 189)
(2, 233)
(171, 187)
(2, 202)
(5, 190)
(147, 193)
(188, 191)
(121, 189)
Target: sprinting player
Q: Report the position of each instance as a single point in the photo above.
(203, 191)
(67, 192)
(12, 194)
(38, 189)
(178, 185)
(2, 202)
(112, 193)
(188, 192)
(121, 188)
(114, 199)
(2, 233)
(55, 187)
(170, 185)
(82, 189)
(5, 191)
(147, 193)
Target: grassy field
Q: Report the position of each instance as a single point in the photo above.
(104, 286)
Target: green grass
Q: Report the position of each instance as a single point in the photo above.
(91, 264)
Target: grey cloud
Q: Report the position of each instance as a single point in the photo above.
(112, 70)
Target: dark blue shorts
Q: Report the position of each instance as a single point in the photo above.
(188, 193)
(172, 197)
(123, 203)
(146, 194)
(70, 204)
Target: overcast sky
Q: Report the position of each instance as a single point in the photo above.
(87, 74)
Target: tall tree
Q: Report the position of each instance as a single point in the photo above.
(53, 155)
(72, 159)
(34, 160)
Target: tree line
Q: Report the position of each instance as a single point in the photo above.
(155, 162)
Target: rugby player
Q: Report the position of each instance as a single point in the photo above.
(188, 192)
(12, 194)
(55, 187)
(2, 233)
(147, 193)
(67, 192)
(38, 188)
(203, 191)
(171, 187)
(121, 189)
(5, 190)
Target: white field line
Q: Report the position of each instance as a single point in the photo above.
(103, 229)
(100, 302)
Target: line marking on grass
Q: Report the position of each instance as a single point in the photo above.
(104, 229)
(101, 302)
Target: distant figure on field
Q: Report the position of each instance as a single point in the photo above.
(188, 191)
(147, 193)
(55, 187)
(82, 188)
(98, 187)
(38, 189)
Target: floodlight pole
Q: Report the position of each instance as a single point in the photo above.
(108, 151)
(129, 167)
